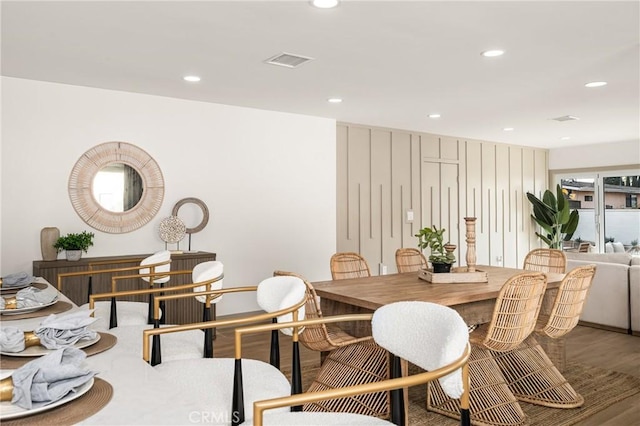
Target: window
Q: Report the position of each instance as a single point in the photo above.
(610, 207)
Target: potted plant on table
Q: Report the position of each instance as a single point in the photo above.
(442, 256)
(74, 244)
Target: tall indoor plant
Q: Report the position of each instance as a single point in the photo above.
(553, 215)
(440, 257)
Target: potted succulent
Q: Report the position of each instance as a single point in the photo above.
(74, 244)
(442, 256)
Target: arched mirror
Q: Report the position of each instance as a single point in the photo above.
(116, 187)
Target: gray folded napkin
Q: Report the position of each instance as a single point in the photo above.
(17, 279)
(55, 332)
(32, 297)
(49, 378)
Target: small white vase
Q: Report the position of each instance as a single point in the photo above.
(73, 254)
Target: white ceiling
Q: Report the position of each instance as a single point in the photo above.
(392, 62)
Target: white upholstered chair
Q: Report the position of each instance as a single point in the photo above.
(213, 382)
(431, 336)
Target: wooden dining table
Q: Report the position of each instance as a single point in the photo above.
(474, 301)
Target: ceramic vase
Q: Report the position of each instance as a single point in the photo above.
(48, 237)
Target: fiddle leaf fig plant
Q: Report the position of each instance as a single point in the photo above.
(553, 215)
(433, 239)
(72, 241)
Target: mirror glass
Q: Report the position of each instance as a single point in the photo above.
(117, 187)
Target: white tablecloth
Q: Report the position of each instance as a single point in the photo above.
(140, 395)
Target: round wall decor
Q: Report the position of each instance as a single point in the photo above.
(172, 230)
(149, 187)
(203, 207)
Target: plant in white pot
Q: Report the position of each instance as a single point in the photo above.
(74, 244)
(441, 256)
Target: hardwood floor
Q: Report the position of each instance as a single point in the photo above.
(589, 346)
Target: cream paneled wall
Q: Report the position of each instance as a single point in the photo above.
(384, 173)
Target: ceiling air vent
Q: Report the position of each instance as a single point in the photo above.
(288, 60)
(566, 118)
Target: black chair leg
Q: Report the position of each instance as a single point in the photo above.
(156, 353)
(208, 338)
(397, 395)
(237, 408)
(113, 315)
(274, 358)
(296, 375)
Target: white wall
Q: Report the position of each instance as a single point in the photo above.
(268, 178)
(612, 154)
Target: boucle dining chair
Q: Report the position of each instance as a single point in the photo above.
(348, 265)
(530, 374)
(226, 386)
(514, 317)
(183, 345)
(546, 260)
(438, 345)
(410, 260)
(152, 270)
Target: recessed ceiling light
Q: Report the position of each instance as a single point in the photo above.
(434, 115)
(565, 138)
(508, 129)
(334, 100)
(325, 4)
(492, 53)
(596, 84)
(191, 78)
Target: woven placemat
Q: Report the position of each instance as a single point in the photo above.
(72, 412)
(56, 308)
(107, 341)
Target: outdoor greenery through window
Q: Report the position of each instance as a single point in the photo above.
(608, 207)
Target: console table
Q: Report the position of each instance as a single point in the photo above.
(75, 288)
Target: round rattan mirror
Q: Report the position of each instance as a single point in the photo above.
(93, 206)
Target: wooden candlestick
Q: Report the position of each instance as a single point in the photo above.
(471, 243)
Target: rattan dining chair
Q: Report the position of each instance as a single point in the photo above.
(410, 260)
(349, 360)
(348, 265)
(321, 337)
(546, 260)
(514, 317)
(440, 346)
(229, 386)
(529, 372)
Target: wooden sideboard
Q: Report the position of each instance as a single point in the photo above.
(75, 288)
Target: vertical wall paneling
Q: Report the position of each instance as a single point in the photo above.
(380, 199)
(502, 210)
(383, 173)
(514, 208)
(343, 231)
(527, 229)
(489, 203)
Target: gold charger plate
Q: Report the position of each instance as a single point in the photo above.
(56, 308)
(73, 411)
(107, 341)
